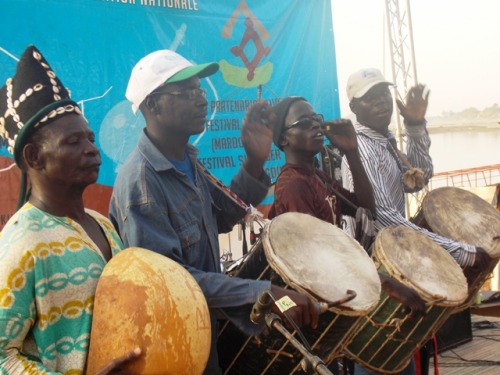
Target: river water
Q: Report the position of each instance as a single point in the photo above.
(450, 150)
(462, 149)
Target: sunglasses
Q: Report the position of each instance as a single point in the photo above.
(306, 123)
(187, 94)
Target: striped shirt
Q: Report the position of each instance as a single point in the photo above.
(386, 175)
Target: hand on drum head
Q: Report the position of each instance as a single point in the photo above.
(403, 294)
(305, 313)
(115, 366)
(481, 263)
(482, 260)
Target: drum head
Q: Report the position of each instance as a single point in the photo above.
(418, 262)
(463, 216)
(321, 260)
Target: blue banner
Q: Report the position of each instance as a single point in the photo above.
(285, 47)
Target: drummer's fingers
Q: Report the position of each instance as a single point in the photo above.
(405, 310)
(417, 313)
(414, 308)
(294, 314)
(302, 318)
(421, 308)
(310, 313)
(305, 314)
(482, 257)
(116, 363)
(314, 312)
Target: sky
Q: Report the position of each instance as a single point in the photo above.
(457, 48)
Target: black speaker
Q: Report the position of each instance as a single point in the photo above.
(457, 330)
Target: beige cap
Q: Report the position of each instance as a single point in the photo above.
(363, 80)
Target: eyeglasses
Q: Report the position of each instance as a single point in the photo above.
(187, 94)
(306, 123)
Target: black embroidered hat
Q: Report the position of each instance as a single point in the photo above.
(33, 98)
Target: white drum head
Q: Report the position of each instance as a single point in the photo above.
(321, 260)
(463, 216)
(415, 260)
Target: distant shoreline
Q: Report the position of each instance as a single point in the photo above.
(447, 125)
(443, 128)
(461, 128)
(440, 126)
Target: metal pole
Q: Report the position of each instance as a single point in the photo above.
(312, 362)
(412, 48)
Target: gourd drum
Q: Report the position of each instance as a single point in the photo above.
(146, 300)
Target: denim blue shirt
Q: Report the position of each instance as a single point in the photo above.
(156, 207)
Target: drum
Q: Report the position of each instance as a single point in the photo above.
(385, 340)
(313, 257)
(463, 216)
(144, 299)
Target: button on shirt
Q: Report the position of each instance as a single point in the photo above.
(386, 176)
(156, 207)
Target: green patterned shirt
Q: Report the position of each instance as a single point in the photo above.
(49, 268)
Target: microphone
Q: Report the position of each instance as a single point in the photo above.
(260, 308)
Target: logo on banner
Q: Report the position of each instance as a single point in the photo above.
(251, 74)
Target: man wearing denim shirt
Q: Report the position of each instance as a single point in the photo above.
(163, 202)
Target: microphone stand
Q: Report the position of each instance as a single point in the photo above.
(310, 362)
(244, 249)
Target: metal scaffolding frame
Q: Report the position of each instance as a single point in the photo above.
(402, 53)
(404, 70)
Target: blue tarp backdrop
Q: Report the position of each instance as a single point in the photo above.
(285, 46)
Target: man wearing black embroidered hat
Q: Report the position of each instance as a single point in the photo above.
(163, 200)
(53, 250)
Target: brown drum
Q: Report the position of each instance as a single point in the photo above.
(320, 260)
(385, 340)
(463, 216)
(147, 300)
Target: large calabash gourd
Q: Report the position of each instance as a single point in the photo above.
(146, 300)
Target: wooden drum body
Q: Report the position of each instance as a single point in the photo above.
(464, 217)
(385, 340)
(318, 259)
(147, 300)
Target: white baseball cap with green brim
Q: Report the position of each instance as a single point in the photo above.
(158, 68)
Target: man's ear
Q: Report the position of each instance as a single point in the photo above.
(353, 107)
(151, 105)
(283, 141)
(32, 157)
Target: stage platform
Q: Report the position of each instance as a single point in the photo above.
(479, 356)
